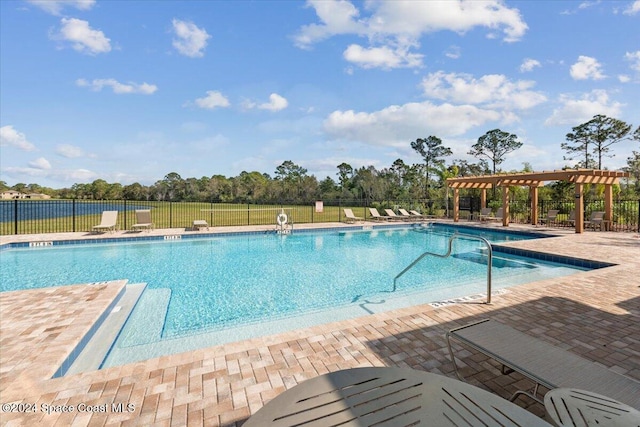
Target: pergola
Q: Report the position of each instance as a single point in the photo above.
(533, 180)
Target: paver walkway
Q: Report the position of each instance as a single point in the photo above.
(595, 314)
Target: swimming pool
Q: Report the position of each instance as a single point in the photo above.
(214, 284)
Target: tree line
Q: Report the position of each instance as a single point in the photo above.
(587, 145)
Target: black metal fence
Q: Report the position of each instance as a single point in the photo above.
(51, 216)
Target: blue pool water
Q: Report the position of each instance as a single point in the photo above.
(218, 282)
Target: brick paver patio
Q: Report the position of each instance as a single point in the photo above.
(595, 314)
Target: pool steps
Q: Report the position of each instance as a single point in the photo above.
(99, 342)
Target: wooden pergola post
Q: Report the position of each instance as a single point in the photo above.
(579, 211)
(483, 198)
(456, 205)
(608, 203)
(505, 205)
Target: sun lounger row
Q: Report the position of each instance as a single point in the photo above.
(109, 221)
(403, 215)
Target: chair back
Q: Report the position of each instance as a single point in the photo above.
(597, 216)
(109, 218)
(374, 212)
(485, 211)
(404, 212)
(143, 216)
(349, 213)
(390, 212)
(499, 213)
(552, 214)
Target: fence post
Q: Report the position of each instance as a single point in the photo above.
(15, 216)
(73, 215)
(125, 213)
(170, 214)
(248, 205)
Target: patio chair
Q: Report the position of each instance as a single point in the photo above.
(375, 215)
(551, 217)
(596, 219)
(571, 220)
(349, 217)
(143, 220)
(420, 216)
(542, 362)
(485, 213)
(392, 215)
(108, 222)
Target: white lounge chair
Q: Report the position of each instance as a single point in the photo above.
(409, 217)
(349, 217)
(542, 362)
(108, 222)
(143, 220)
(375, 215)
(392, 215)
(419, 215)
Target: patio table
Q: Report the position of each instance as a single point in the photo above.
(580, 408)
(389, 397)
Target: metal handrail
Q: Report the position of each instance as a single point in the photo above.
(451, 239)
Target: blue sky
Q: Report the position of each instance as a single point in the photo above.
(128, 91)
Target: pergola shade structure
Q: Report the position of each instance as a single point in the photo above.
(533, 180)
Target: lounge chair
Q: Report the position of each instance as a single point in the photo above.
(409, 217)
(143, 220)
(551, 217)
(543, 363)
(200, 223)
(419, 215)
(375, 215)
(392, 215)
(349, 217)
(596, 219)
(499, 214)
(108, 222)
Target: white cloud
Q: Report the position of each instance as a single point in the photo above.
(40, 163)
(623, 78)
(117, 87)
(453, 52)
(65, 175)
(633, 8)
(69, 151)
(11, 137)
(276, 103)
(191, 40)
(587, 68)
(393, 27)
(395, 125)
(214, 99)
(494, 90)
(574, 111)
(529, 64)
(383, 57)
(54, 7)
(82, 37)
(634, 58)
